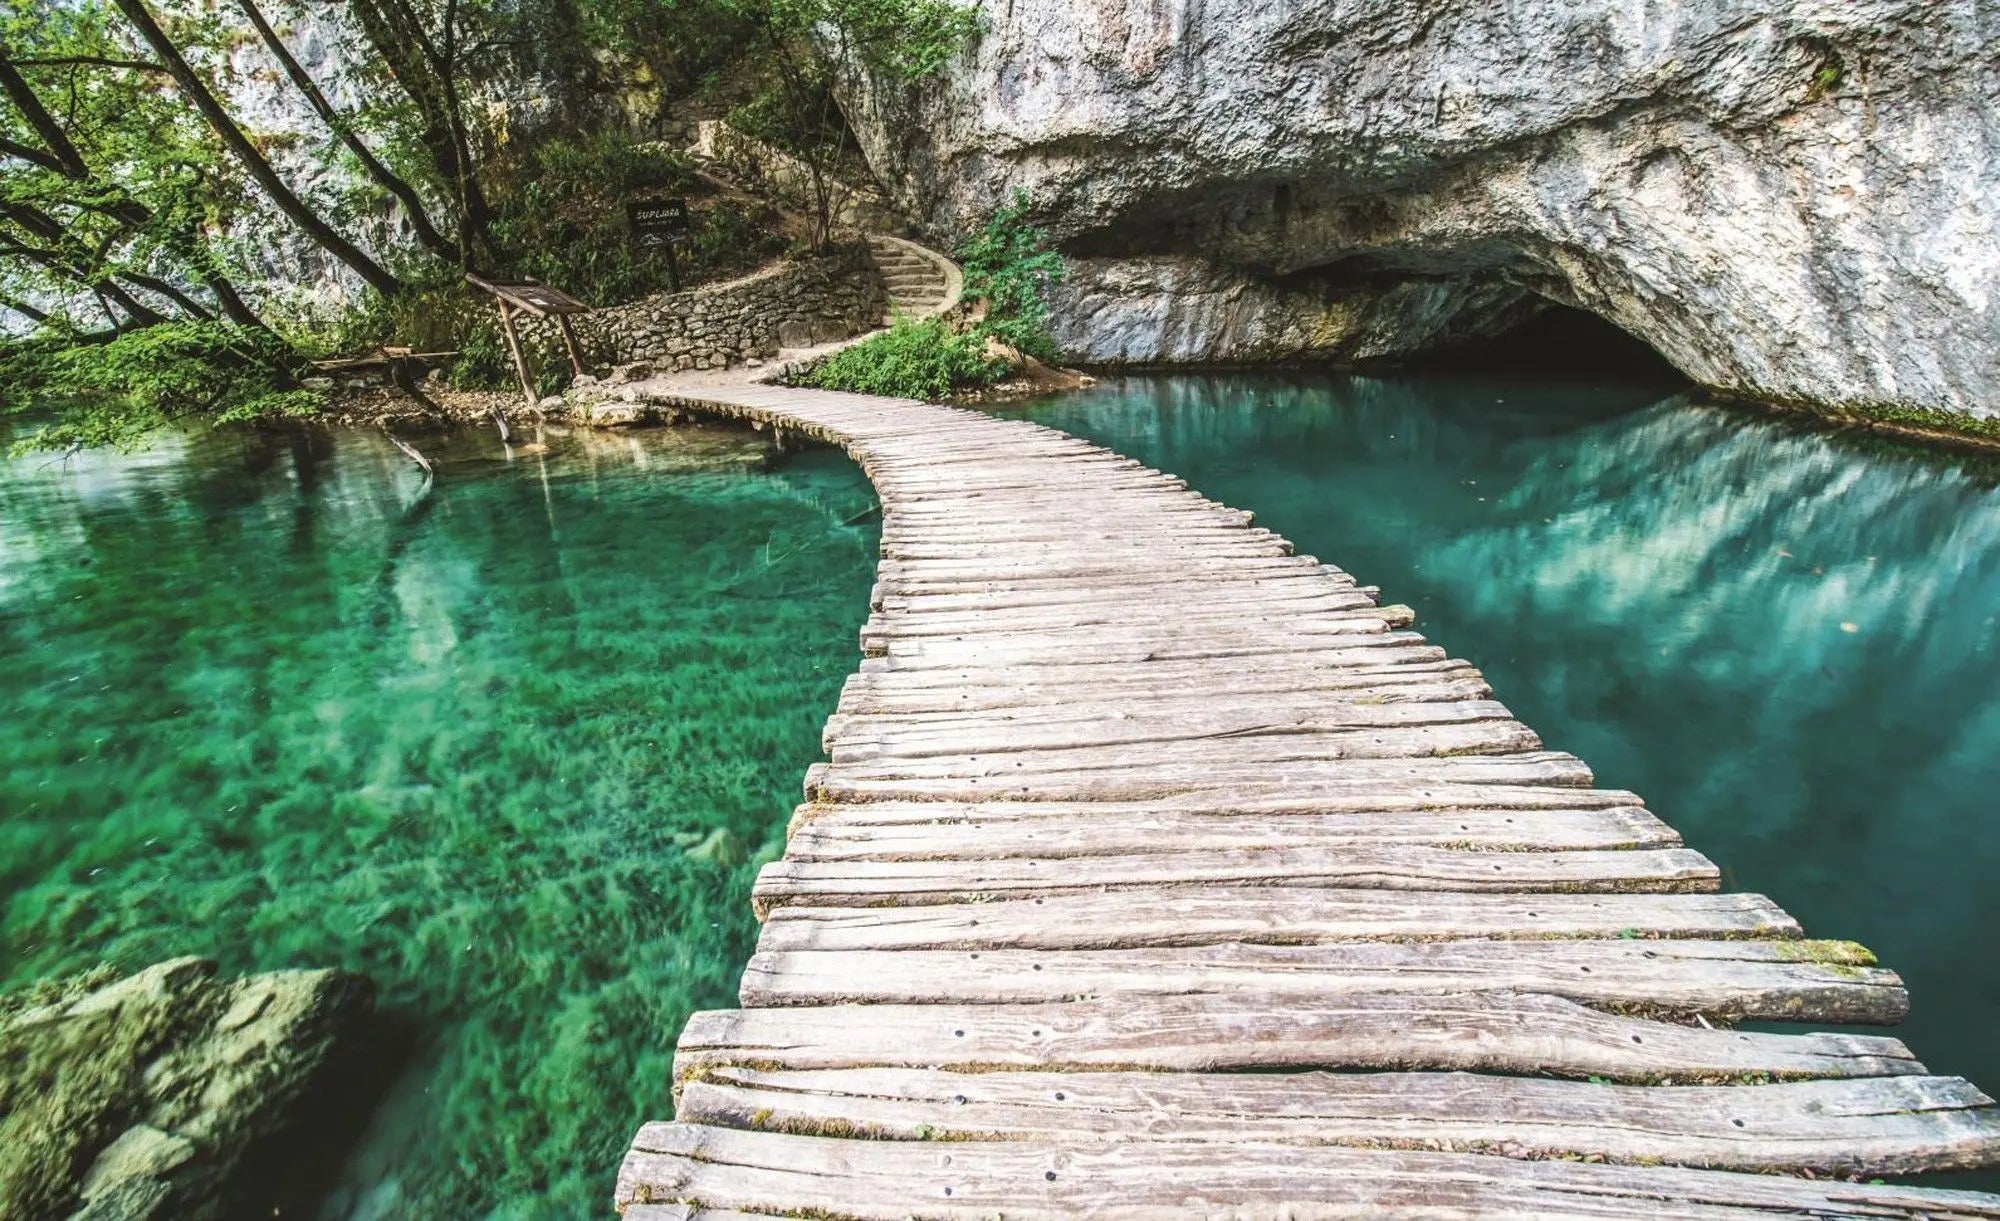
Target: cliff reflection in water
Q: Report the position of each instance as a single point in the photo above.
(1785, 641)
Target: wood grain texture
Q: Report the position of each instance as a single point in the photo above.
(1495, 1032)
(1020, 1179)
(1190, 915)
(1904, 1125)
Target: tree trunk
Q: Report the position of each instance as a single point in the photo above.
(288, 202)
(413, 205)
(424, 73)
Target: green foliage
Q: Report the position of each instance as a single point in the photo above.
(1009, 265)
(906, 39)
(561, 204)
(114, 393)
(915, 360)
(1829, 71)
(131, 198)
(799, 52)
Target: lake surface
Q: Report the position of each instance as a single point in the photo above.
(1788, 643)
(513, 748)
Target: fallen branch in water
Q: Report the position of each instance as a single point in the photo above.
(413, 453)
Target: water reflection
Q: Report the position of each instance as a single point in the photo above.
(1789, 645)
(509, 745)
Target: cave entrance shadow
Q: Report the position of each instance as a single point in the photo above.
(1560, 342)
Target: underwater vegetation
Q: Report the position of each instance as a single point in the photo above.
(513, 748)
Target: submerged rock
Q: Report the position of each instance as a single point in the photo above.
(1790, 199)
(138, 1097)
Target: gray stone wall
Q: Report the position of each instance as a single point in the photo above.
(808, 301)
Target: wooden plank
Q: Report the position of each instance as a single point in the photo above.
(1761, 980)
(723, 1167)
(1407, 683)
(1497, 1032)
(1300, 780)
(1173, 750)
(859, 832)
(1304, 663)
(1295, 733)
(1490, 802)
(1035, 649)
(1182, 915)
(852, 883)
(1279, 616)
(1862, 1127)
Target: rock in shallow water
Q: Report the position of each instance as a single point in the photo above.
(138, 1097)
(1793, 199)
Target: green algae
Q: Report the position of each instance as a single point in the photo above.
(513, 748)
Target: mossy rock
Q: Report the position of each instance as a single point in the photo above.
(135, 1097)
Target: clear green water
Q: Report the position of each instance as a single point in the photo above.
(513, 749)
(1788, 644)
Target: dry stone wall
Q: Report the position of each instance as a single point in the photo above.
(799, 304)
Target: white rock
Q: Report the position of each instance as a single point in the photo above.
(1792, 198)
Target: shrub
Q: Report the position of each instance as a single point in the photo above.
(916, 360)
(116, 392)
(1009, 265)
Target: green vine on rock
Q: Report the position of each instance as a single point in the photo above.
(1010, 265)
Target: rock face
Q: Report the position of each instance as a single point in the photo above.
(1789, 199)
(138, 1098)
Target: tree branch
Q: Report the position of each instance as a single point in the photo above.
(259, 167)
(413, 205)
(92, 61)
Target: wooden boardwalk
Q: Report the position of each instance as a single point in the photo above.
(1159, 870)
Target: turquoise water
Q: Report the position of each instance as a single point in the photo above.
(1788, 644)
(513, 748)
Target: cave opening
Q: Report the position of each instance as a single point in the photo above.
(1555, 340)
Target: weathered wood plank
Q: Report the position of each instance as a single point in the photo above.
(877, 695)
(1187, 915)
(1863, 1127)
(1303, 664)
(1300, 780)
(921, 707)
(1784, 980)
(1373, 866)
(723, 1167)
(1493, 803)
(891, 735)
(859, 832)
(1067, 750)
(1496, 1032)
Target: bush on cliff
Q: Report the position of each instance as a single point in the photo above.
(1009, 265)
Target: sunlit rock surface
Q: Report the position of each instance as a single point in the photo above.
(123, 1099)
(1795, 200)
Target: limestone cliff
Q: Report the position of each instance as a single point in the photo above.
(1791, 199)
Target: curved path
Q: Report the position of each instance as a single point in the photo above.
(1158, 869)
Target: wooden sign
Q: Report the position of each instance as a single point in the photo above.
(657, 222)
